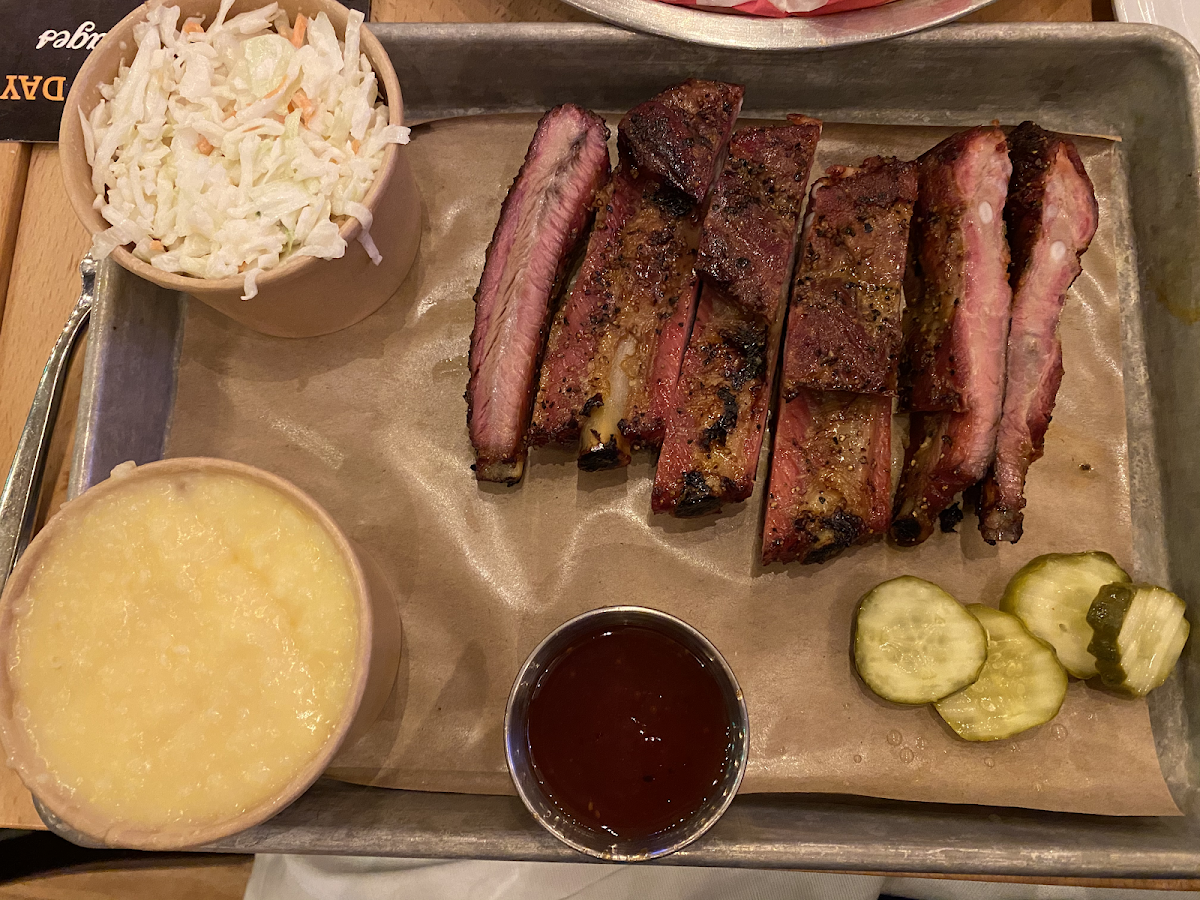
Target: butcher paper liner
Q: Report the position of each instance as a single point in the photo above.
(372, 422)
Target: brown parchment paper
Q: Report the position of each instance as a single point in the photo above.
(371, 421)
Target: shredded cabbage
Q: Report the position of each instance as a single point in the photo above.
(223, 151)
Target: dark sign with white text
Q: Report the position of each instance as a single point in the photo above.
(42, 46)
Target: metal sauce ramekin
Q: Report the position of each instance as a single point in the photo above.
(516, 740)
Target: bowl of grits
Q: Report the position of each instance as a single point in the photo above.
(183, 649)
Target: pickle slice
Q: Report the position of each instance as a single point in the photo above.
(914, 643)
(1139, 632)
(1022, 684)
(1051, 595)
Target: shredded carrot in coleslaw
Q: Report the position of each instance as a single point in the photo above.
(298, 31)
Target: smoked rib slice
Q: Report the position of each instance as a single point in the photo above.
(681, 134)
(546, 212)
(844, 324)
(634, 294)
(964, 299)
(831, 466)
(714, 432)
(1052, 216)
(830, 475)
(716, 425)
(616, 346)
(749, 235)
(956, 329)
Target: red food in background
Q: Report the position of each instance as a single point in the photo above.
(766, 8)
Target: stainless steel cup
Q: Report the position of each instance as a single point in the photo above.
(516, 742)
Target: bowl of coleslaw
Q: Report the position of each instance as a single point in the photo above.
(249, 155)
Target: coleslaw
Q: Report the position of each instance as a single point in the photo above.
(224, 150)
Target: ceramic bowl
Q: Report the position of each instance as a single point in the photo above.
(376, 661)
(302, 296)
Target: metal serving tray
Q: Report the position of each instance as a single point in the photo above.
(1139, 83)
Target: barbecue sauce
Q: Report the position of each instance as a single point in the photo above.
(629, 732)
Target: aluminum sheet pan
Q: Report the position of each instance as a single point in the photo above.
(1140, 84)
(859, 26)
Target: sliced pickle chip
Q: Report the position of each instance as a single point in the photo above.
(1051, 595)
(1022, 684)
(1139, 632)
(914, 643)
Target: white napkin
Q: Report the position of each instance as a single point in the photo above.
(280, 877)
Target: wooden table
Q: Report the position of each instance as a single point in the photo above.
(41, 243)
